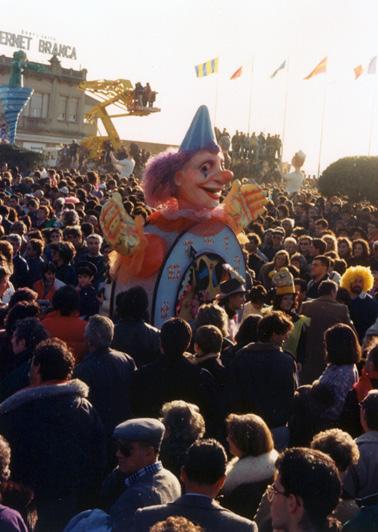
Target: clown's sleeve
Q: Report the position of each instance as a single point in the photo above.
(120, 230)
(243, 204)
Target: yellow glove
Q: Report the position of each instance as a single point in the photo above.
(244, 203)
(120, 230)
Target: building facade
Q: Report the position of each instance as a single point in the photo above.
(55, 113)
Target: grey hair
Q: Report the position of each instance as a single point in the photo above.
(184, 420)
(99, 331)
(15, 237)
(5, 459)
(96, 237)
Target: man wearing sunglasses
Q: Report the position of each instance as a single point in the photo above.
(146, 482)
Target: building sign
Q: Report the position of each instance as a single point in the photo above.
(30, 41)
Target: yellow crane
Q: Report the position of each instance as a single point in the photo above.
(132, 101)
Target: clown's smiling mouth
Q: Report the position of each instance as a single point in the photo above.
(214, 193)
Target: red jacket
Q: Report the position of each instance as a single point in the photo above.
(67, 328)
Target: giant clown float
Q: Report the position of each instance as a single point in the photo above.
(179, 254)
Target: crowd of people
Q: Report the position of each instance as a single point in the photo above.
(262, 414)
(256, 156)
(125, 162)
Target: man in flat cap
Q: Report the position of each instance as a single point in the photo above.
(146, 482)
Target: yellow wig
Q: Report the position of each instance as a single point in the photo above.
(357, 271)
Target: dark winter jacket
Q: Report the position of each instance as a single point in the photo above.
(138, 339)
(169, 379)
(262, 380)
(18, 378)
(108, 374)
(57, 443)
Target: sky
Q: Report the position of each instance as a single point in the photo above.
(162, 41)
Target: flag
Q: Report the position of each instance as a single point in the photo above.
(319, 69)
(358, 71)
(281, 67)
(372, 68)
(237, 73)
(204, 69)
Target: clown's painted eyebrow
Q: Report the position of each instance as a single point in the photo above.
(210, 162)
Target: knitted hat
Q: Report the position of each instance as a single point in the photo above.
(283, 282)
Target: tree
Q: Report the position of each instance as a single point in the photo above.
(24, 159)
(354, 177)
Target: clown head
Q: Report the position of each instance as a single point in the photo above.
(201, 181)
(194, 175)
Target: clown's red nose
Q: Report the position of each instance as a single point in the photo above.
(226, 176)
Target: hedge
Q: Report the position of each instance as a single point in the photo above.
(354, 177)
(25, 160)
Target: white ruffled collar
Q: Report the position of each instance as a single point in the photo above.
(171, 211)
(249, 469)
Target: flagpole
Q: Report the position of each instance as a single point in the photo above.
(250, 97)
(285, 106)
(373, 105)
(322, 123)
(216, 99)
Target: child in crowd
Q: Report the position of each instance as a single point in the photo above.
(207, 346)
(89, 304)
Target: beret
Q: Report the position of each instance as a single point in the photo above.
(140, 429)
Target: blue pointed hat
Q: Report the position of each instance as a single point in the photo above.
(200, 135)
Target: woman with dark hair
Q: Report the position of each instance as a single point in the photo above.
(64, 321)
(62, 255)
(252, 468)
(343, 353)
(360, 253)
(344, 248)
(184, 425)
(246, 334)
(48, 285)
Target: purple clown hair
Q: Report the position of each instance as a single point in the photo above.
(158, 176)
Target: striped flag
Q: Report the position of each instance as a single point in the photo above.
(237, 73)
(372, 68)
(12, 102)
(205, 69)
(319, 69)
(358, 71)
(281, 67)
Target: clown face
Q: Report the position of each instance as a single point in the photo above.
(201, 181)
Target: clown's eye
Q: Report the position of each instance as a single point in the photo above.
(205, 168)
